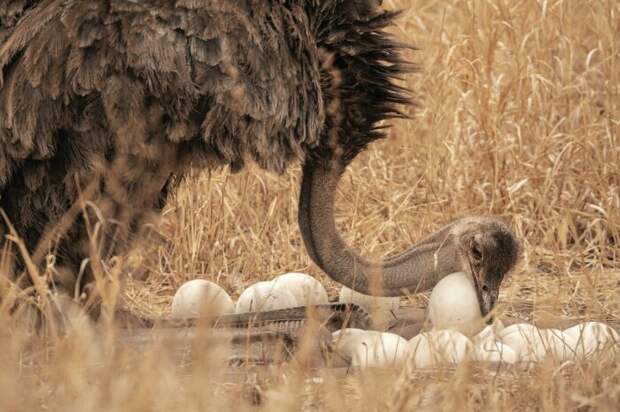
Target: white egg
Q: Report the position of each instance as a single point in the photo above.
(485, 335)
(488, 347)
(380, 350)
(490, 333)
(535, 345)
(593, 337)
(494, 351)
(201, 297)
(454, 305)
(560, 345)
(380, 308)
(345, 340)
(262, 297)
(369, 349)
(518, 327)
(305, 289)
(526, 340)
(438, 347)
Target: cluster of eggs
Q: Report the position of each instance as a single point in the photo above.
(200, 297)
(520, 342)
(459, 333)
(458, 329)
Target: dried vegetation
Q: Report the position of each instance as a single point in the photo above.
(519, 116)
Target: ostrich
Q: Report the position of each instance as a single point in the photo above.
(104, 105)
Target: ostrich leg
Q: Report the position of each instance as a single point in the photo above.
(83, 210)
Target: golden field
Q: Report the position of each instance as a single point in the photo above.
(518, 116)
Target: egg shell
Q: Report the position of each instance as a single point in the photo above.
(490, 333)
(380, 350)
(535, 345)
(592, 338)
(439, 347)
(305, 289)
(344, 340)
(494, 351)
(526, 340)
(454, 305)
(200, 297)
(560, 346)
(263, 297)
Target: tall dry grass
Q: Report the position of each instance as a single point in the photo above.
(519, 116)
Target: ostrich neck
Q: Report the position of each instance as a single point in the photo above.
(415, 270)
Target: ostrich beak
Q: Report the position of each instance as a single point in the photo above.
(487, 292)
(487, 300)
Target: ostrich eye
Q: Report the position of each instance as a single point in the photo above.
(476, 252)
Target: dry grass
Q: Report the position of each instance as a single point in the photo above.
(519, 117)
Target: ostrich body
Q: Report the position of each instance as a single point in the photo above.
(104, 104)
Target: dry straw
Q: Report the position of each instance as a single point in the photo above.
(519, 116)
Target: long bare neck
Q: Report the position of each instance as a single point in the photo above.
(417, 269)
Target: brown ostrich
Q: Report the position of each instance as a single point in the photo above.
(105, 104)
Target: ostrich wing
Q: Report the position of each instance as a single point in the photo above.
(91, 74)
